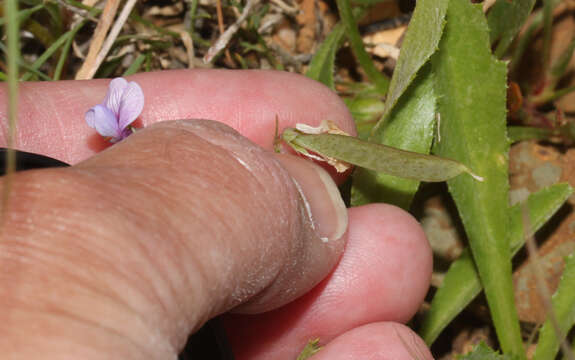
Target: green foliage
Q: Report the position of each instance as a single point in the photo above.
(322, 66)
(505, 19)
(376, 157)
(461, 284)
(351, 29)
(445, 72)
(366, 110)
(471, 88)
(311, 348)
(135, 66)
(564, 310)
(483, 352)
(411, 127)
(52, 49)
(24, 14)
(518, 133)
(421, 41)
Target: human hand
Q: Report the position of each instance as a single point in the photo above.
(126, 253)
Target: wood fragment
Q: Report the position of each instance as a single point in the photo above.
(120, 21)
(106, 18)
(189, 45)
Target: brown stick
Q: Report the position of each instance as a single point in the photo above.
(106, 19)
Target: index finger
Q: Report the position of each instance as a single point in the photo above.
(51, 114)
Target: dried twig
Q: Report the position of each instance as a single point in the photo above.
(89, 72)
(106, 18)
(225, 38)
(221, 27)
(189, 45)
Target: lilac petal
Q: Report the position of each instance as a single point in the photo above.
(131, 105)
(103, 120)
(115, 94)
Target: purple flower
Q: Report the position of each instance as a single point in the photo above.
(123, 104)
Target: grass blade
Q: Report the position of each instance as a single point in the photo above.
(322, 65)
(376, 76)
(564, 309)
(421, 41)
(25, 14)
(135, 66)
(471, 90)
(462, 284)
(11, 19)
(505, 19)
(52, 49)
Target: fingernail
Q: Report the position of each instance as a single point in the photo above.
(322, 199)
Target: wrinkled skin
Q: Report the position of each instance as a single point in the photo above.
(128, 251)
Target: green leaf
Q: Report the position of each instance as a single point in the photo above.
(461, 283)
(421, 41)
(52, 49)
(471, 90)
(527, 35)
(483, 352)
(365, 110)
(356, 43)
(505, 19)
(311, 348)
(23, 15)
(375, 157)
(411, 127)
(135, 66)
(322, 65)
(564, 310)
(409, 116)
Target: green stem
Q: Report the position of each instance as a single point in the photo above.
(64, 52)
(11, 20)
(549, 95)
(346, 14)
(25, 14)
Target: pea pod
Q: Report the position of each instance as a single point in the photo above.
(375, 157)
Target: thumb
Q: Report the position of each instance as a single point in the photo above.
(133, 249)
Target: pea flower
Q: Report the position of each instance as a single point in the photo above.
(122, 105)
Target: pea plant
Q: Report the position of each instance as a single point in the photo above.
(443, 115)
(447, 97)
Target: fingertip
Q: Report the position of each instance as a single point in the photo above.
(388, 247)
(247, 100)
(383, 275)
(384, 340)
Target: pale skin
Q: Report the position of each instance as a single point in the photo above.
(126, 253)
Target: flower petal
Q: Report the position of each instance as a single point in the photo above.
(103, 120)
(115, 94)
(131, 104)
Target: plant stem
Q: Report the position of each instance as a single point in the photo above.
(346, 14)
(11, 20)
